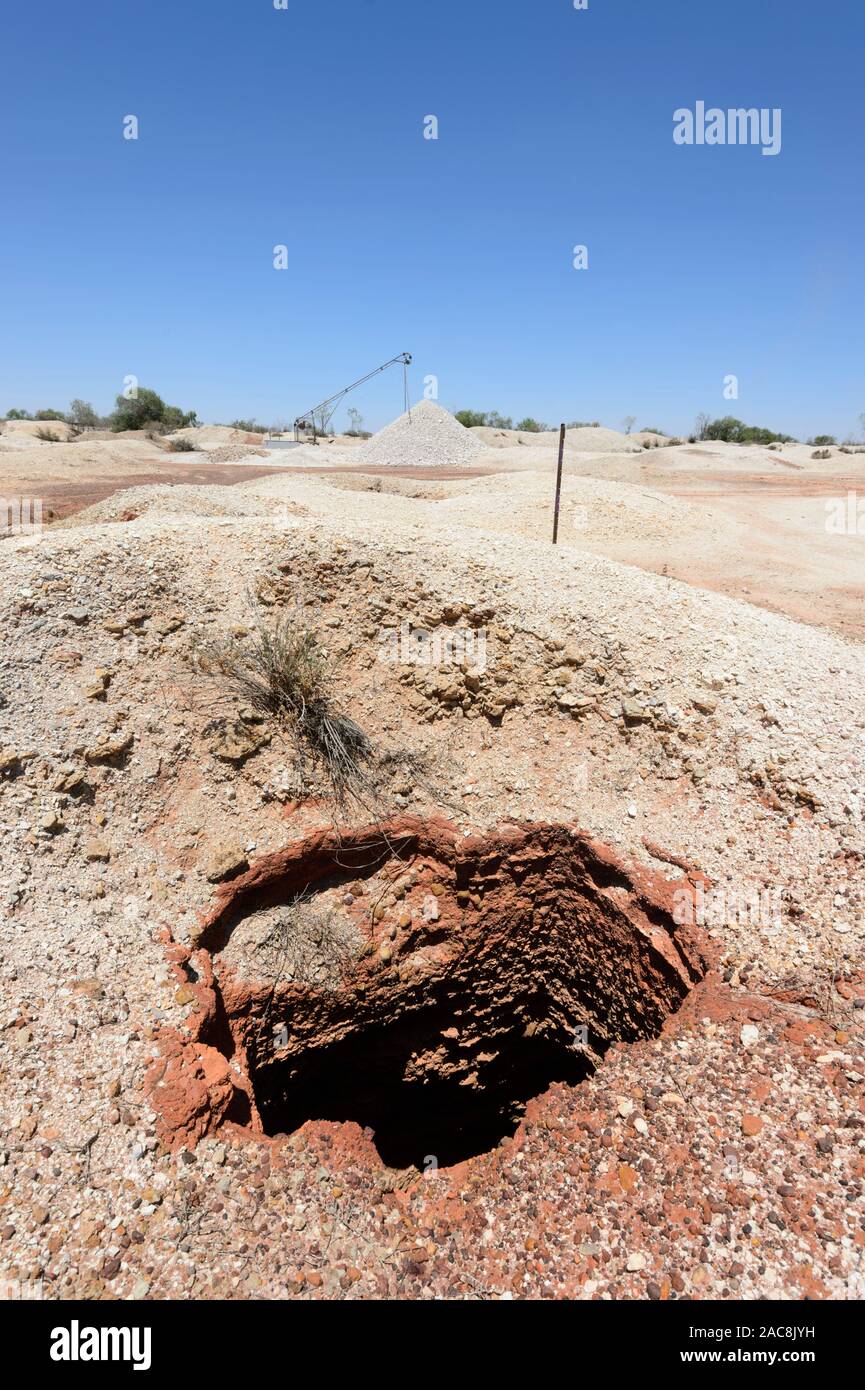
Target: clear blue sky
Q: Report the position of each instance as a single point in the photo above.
(154, 257)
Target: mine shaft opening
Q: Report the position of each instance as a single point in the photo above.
(430, 996)
(414, 1123)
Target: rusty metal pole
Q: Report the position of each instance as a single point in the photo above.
(559, 484)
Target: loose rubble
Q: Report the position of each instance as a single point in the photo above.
(426, 436)
(698, 740)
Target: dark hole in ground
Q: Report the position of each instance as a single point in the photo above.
(479, 974)
(363, 1079)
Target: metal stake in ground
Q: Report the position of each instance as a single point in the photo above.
(558, 484)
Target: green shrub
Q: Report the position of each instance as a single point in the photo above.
(181, 446)
(472, 419)
(173, 418)
(40, 415)
(147, 409)
(729, 430)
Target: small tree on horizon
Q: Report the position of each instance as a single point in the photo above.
(472, 419)
(82, 414)
(146, 409)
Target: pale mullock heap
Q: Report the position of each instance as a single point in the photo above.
(426, 436)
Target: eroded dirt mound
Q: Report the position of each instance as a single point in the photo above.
(721, 1159)
(215, 436)
(33, 431)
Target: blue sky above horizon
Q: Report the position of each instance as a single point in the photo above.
(305, 127)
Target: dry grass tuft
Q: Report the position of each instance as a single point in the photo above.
(281, 672)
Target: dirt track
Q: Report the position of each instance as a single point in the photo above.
(63, 499)
(721, 485)
(421, 474)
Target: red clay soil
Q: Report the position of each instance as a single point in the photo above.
(687, 486)
(699, 1161)
(63, 499)
(452, 1016)
(389, 471)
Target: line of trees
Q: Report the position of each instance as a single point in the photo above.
(729, 430)
(726, 429)
(145, 410)
(733, 431)
(494, 421)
